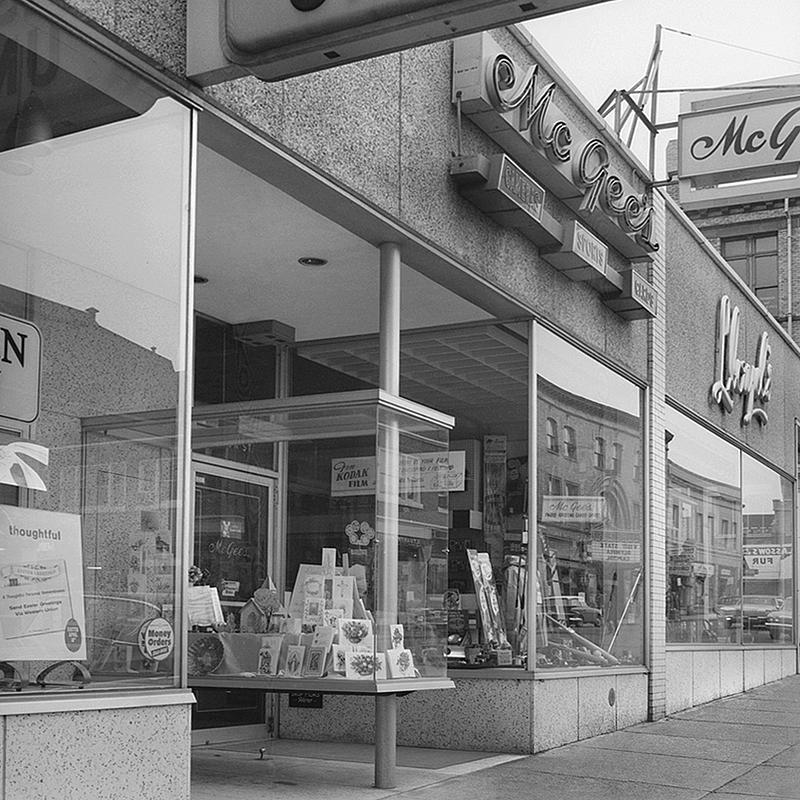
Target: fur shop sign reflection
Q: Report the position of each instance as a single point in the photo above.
(753, 382)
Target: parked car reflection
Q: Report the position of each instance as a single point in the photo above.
(779, 622)
(748, 613)
(574, 611)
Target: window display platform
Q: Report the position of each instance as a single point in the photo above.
(333, 685)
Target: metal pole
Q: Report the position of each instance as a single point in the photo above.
(654, 99)
(389, 370)
(389, 455)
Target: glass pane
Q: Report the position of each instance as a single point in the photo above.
(414, 476)
(740, 266)
(731, 248)
(766, 244)
(230, 539)
(704, 564)
(589, 541)
(766, 271)
(767, 515)
(95, 175)
(769, 297)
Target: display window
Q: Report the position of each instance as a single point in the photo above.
(95, 166)
(730, 522)
(589, 534)
(427, 550)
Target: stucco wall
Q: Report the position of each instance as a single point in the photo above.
(496, 715)
(695, 283)
(121, 754)
(699, 676)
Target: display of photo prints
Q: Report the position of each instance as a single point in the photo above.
(354, 631)
(295, 658)
(364, 666)
(400, 663)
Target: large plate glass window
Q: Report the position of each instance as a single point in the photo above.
(589, 532)
(94, 177)
(729, 541)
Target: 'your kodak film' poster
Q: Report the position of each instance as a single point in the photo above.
(41, 585)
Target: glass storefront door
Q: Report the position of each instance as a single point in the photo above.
(233, 517)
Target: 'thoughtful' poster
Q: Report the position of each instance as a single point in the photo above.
(41, 585)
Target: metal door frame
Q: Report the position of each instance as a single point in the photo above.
(269, 479)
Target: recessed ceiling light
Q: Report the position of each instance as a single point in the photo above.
(200, 279)
(312, 261)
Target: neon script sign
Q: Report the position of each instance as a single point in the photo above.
(734, 376)
(588, 164)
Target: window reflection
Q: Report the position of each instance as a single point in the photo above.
(93, 178)
(589, 532)
(729, 534)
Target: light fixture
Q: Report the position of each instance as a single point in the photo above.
(312, 261)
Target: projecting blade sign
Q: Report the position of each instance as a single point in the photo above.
(283, 38)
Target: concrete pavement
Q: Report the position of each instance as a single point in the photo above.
(744, 747)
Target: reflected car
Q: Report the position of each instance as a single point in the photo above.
(750, 615)
(577, 611)
(780, 622)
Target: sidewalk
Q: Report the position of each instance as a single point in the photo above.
(745, 747)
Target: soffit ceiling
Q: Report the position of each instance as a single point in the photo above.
(249, 238)
(479, 374)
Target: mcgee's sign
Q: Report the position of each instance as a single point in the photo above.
(275, 39)
(20, 365)
(758, 140)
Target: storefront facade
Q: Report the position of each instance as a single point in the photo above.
(388, 355)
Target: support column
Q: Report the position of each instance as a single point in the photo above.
(656, 563)
(389, 374)
(387, 507)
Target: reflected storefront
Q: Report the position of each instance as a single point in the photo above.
(93, 296)
(729, 541)
(590, 536)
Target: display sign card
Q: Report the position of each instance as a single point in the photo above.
(203, 606)
(571, 508)
(419, 472)
(41, 585)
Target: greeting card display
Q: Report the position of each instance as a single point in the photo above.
(316, 658)
(396, 636)
(361, 665)
(270, 654)
(340, 659)
(295, 658)
(400, 663)
(354, 631)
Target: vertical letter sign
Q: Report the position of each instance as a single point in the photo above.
(20, 367)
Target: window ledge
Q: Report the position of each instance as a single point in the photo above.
(46, 703)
